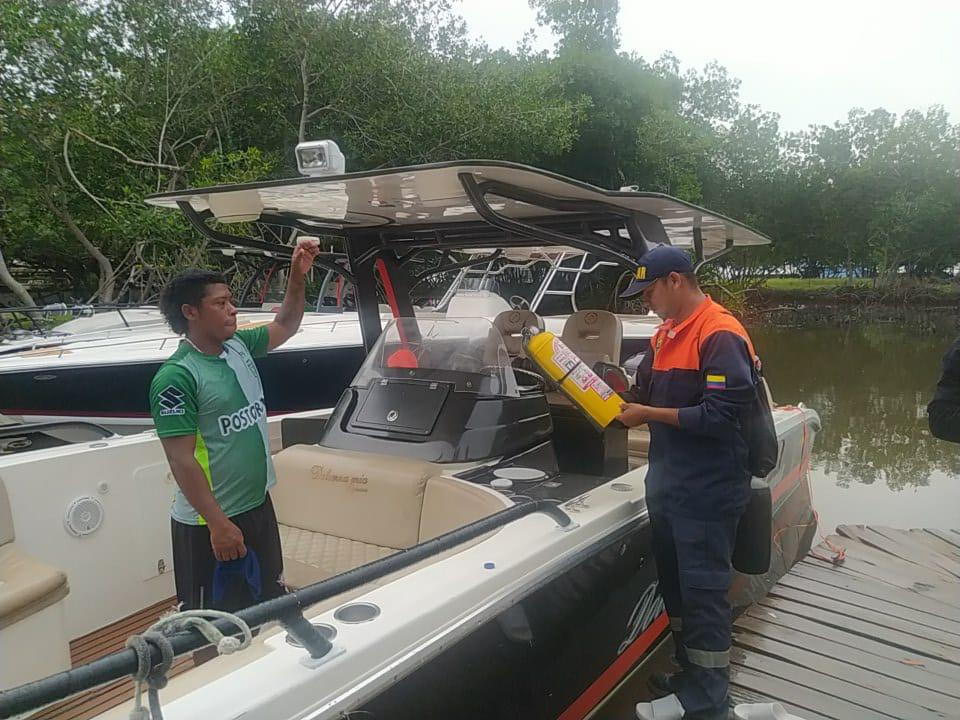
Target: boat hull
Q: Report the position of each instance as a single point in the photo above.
(118, 394)
(553, 654)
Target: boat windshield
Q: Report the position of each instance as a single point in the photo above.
(466, 352)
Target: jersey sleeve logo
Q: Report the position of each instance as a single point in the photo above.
(171, 401)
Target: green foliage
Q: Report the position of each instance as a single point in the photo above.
(103, 103)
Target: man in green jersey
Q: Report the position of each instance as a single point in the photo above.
(208, 407)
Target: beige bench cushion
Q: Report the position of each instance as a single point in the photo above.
(449, 504)
(373, 499)
(338, 509)
(328, 554)
(27, 586)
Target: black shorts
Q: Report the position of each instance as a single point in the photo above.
(194, 563)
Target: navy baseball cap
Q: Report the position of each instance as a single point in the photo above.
(655, 264)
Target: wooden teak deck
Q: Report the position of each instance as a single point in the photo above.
(98, 644)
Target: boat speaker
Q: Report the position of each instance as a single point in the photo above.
(751, 553)
(84, 516)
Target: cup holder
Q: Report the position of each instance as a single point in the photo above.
(328, 631)
(359, 612)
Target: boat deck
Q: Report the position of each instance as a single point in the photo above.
(875, 636)
(97, 644)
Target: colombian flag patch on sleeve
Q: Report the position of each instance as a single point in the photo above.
(716, 382)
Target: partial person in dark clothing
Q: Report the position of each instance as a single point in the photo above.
(943, 412)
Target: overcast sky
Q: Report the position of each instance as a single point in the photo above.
(809, 61)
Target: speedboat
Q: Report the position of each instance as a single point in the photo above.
(459, 539)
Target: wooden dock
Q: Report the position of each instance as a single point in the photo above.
(874, 637)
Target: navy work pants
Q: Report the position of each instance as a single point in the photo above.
(694, 572)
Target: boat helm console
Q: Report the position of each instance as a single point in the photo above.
(441, 390)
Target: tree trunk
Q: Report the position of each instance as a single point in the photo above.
(16, 288)
(305, 100)
(107, 278)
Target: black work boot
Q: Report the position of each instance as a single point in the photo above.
(664, 683)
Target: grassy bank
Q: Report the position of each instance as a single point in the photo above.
(840, 291)
(841, 301)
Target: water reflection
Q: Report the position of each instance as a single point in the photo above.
(870, 384)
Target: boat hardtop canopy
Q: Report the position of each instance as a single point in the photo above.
(487, 209)
(401, 201)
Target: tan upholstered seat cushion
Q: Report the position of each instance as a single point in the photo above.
(511, 324)
(449, 504)
(27, 586)
(338, 510)
(329, 554)
(373, 499)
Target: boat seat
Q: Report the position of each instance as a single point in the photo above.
(511, 324)
(594, 335)
(339, 509)
(31, 609)
(27, 586)
(638, 446)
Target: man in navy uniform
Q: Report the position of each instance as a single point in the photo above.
(693, 388)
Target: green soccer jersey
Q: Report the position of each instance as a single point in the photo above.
(219, 399)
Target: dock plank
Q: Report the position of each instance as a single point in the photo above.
(825, 632)
(815, 589)
(876, 589)
(947, 536)
(875, 637)
(883, 565)
(904, 625)
(800, 698)
(901, 545)
(935, 543)
(923, 582)
(928, 648)
(869, 700)
(889, 664)
(862, 675)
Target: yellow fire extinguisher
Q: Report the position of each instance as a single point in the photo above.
(577, 381)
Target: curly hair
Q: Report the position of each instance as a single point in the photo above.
(187, 288)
